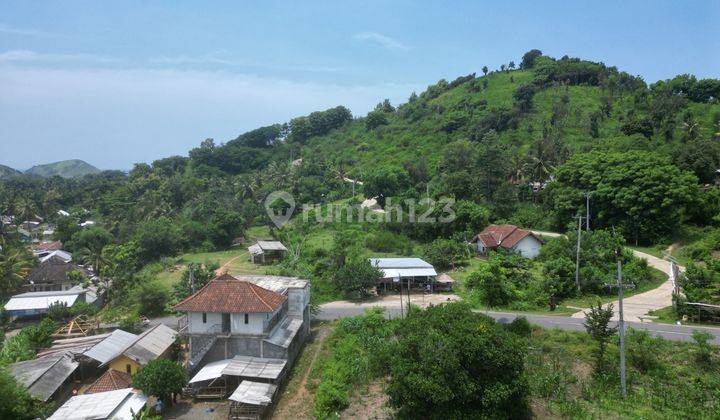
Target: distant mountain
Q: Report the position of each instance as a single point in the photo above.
(6, 171)
(67, 169)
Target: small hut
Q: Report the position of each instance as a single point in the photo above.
(263, 252)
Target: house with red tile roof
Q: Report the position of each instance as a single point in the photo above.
(258, 316)
(111, 380)
(508, 237)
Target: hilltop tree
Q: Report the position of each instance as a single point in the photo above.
(529, 58)
(511, 65)
(485, 70)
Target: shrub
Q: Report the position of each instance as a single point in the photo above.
(152, 298)
(58, 311)
(642, 350)
(478, 374)
(520, 326)
(704, 351)
(445, 253)
(83, 308)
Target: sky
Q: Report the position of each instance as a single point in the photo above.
(116, 83)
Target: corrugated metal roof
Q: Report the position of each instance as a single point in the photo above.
(403, 267)
(73, 345)
(255, 249)
(271, 246)
(102, 405)
(400, 263)
(44, 375)
(278, 284)
(285, 333)
(255, 393)
(112, 346)
(255, 367)
(210, 371)
(63, 255)
(41, 300)
(151, 344)
(408, 272)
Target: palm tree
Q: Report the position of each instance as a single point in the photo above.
(13, 270)
(93, 256)
(25, 208)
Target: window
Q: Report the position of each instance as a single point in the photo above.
(128, 368)
(204, 318)
(247, 319)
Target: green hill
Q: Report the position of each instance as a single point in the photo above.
(67, 169)
(6, 171)
(609, 111)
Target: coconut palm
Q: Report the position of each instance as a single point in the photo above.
(14, 267)
(93, 256)
(25, 209)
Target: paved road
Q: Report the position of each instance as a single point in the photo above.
(667, 331)
(637, 306)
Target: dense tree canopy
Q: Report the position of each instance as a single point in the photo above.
(642, 194)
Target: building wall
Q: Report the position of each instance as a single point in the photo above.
(528, 247)
(196, 325)
(254, 325)
(237, 323)
(121, 363)
(298, 299)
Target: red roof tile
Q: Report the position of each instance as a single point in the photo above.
(111, 380)
(504, 236)
(228, 294)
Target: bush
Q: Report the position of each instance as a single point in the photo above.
(520, 326)
(705, 351)
(642, 350)
(83, 308)
(58, 311)
(361, 350)
(152, 298)
(445, 253)
(478, 374)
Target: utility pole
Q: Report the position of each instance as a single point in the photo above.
(621, 321)
(587, 211)
(399, 280)
(191, 278)
(577, 255)
(408, 310)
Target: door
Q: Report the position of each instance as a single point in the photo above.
(226, 323)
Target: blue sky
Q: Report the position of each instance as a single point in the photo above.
(115, 83)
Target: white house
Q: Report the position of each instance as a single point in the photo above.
(259, 316)
(508, 237)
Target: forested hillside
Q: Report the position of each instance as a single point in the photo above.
(6, 171)
(524, 143)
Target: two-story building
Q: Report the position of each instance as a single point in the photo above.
(258, 316)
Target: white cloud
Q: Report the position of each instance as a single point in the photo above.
(7, 29)
(226, 60)
(25, 56)
(383, 40)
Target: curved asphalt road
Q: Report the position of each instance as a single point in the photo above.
(667, 331)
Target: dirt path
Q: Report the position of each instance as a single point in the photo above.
(224, 267)
(296, 402)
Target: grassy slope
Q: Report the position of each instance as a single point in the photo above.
(403, 141)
